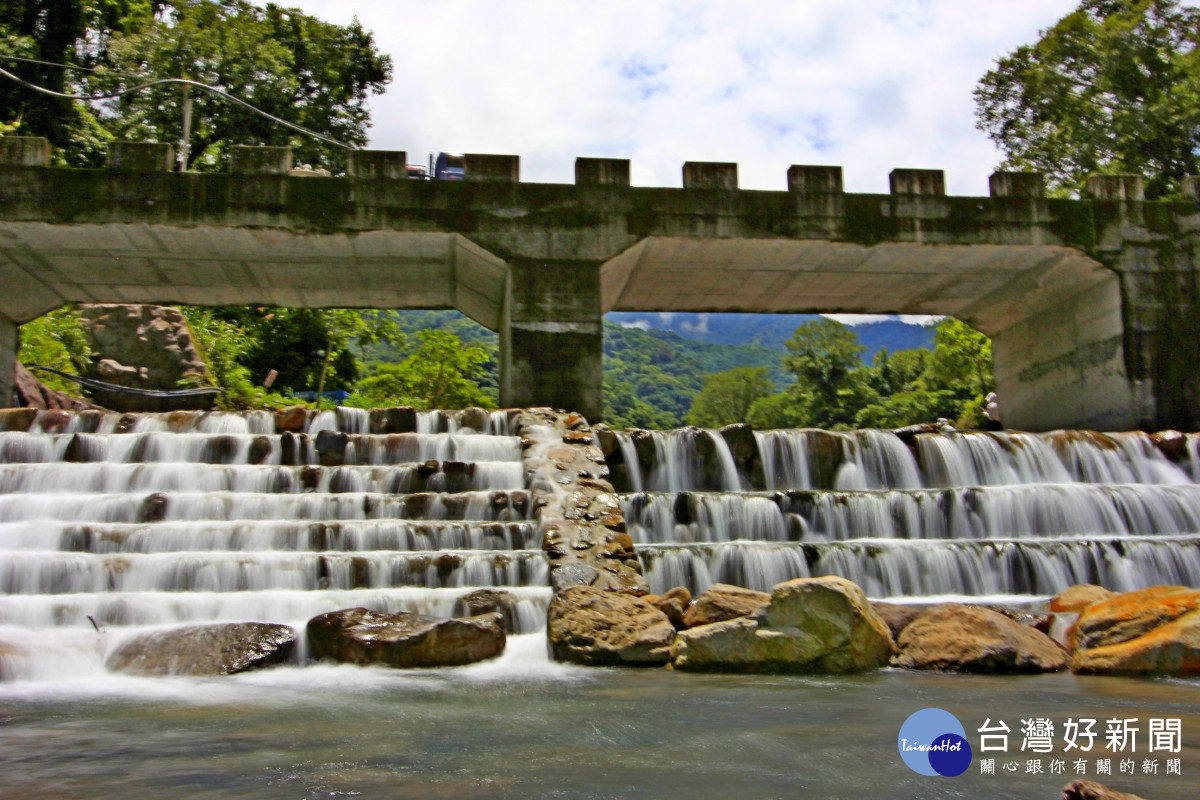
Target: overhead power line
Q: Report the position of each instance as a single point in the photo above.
(176, 82)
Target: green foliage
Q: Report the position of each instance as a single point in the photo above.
(287, 63)
(441, 373)
(727, 396)
(1114, 86)
(292, 65)
(835, 391)
(57, 340)
(223, 345)
(72, 32)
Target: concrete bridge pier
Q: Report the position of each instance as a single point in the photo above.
(552, 337)
(8, 360)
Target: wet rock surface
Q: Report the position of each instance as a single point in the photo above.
(1090, 790)
(604, 628)
(205, 650)
(364, 637)
(577, 509)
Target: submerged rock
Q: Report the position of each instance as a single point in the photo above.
(811, 625)
(721, 602)
(360, 636)
(205, 650)
(487, 601)
(957, 638)
(1149, 632)
(607, 629)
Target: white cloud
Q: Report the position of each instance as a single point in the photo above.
(870, 85)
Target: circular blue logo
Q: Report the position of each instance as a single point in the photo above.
(933, 742)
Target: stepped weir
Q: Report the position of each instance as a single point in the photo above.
(127, 523)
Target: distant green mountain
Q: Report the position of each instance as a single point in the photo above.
(655, 364)
(772, 330)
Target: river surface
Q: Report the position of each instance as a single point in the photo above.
(524, 727)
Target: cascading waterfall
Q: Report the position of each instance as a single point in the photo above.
(137, 521)
(929, 514)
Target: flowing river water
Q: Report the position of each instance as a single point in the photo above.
(160, 522)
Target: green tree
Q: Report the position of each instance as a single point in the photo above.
(1114, 86)
(57, 340)
(962, 359)
(826, 358)
(287, 63)
(71, 32)
(727, 396)
(441, 373)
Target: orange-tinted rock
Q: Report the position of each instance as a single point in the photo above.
(1079, 597)
(1154, 631)
(896, 616)
(1090, 790)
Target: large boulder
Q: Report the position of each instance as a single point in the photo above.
(361, 636)
(205, 650)
(144, 347)
(811, 625)
(1078, 597)
(607, 629)
(721, 602)
(1149, 632)
(957, 638)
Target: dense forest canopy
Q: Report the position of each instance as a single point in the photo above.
(287, 63)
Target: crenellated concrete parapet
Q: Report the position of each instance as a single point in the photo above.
(1090, 303)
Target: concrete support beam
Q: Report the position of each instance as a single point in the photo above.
(8, 361)
(602, 171)
(24, 151)
(140, 156)
(1115, 187)
(917, 181)
(810, 179)
(244, 160)
(1017, 184)
(484, 167)
(377, 164)
(710, 175)
(552, 337)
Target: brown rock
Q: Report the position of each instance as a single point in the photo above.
(1171, 444)
(721, 602)
(487, 601)
(957, 638)
(1089, 790)
(673, 603)
(292, 418)
(1149, 632)
(205, 650)
(598, 628)
(1079, 597)
(896, 617)
(360, 636)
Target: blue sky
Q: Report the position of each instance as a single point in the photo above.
(868, 85)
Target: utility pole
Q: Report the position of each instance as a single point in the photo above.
(185, 145)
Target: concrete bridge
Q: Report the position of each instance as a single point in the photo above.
(1091, 304)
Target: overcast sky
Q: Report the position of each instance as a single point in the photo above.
(868, 85)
